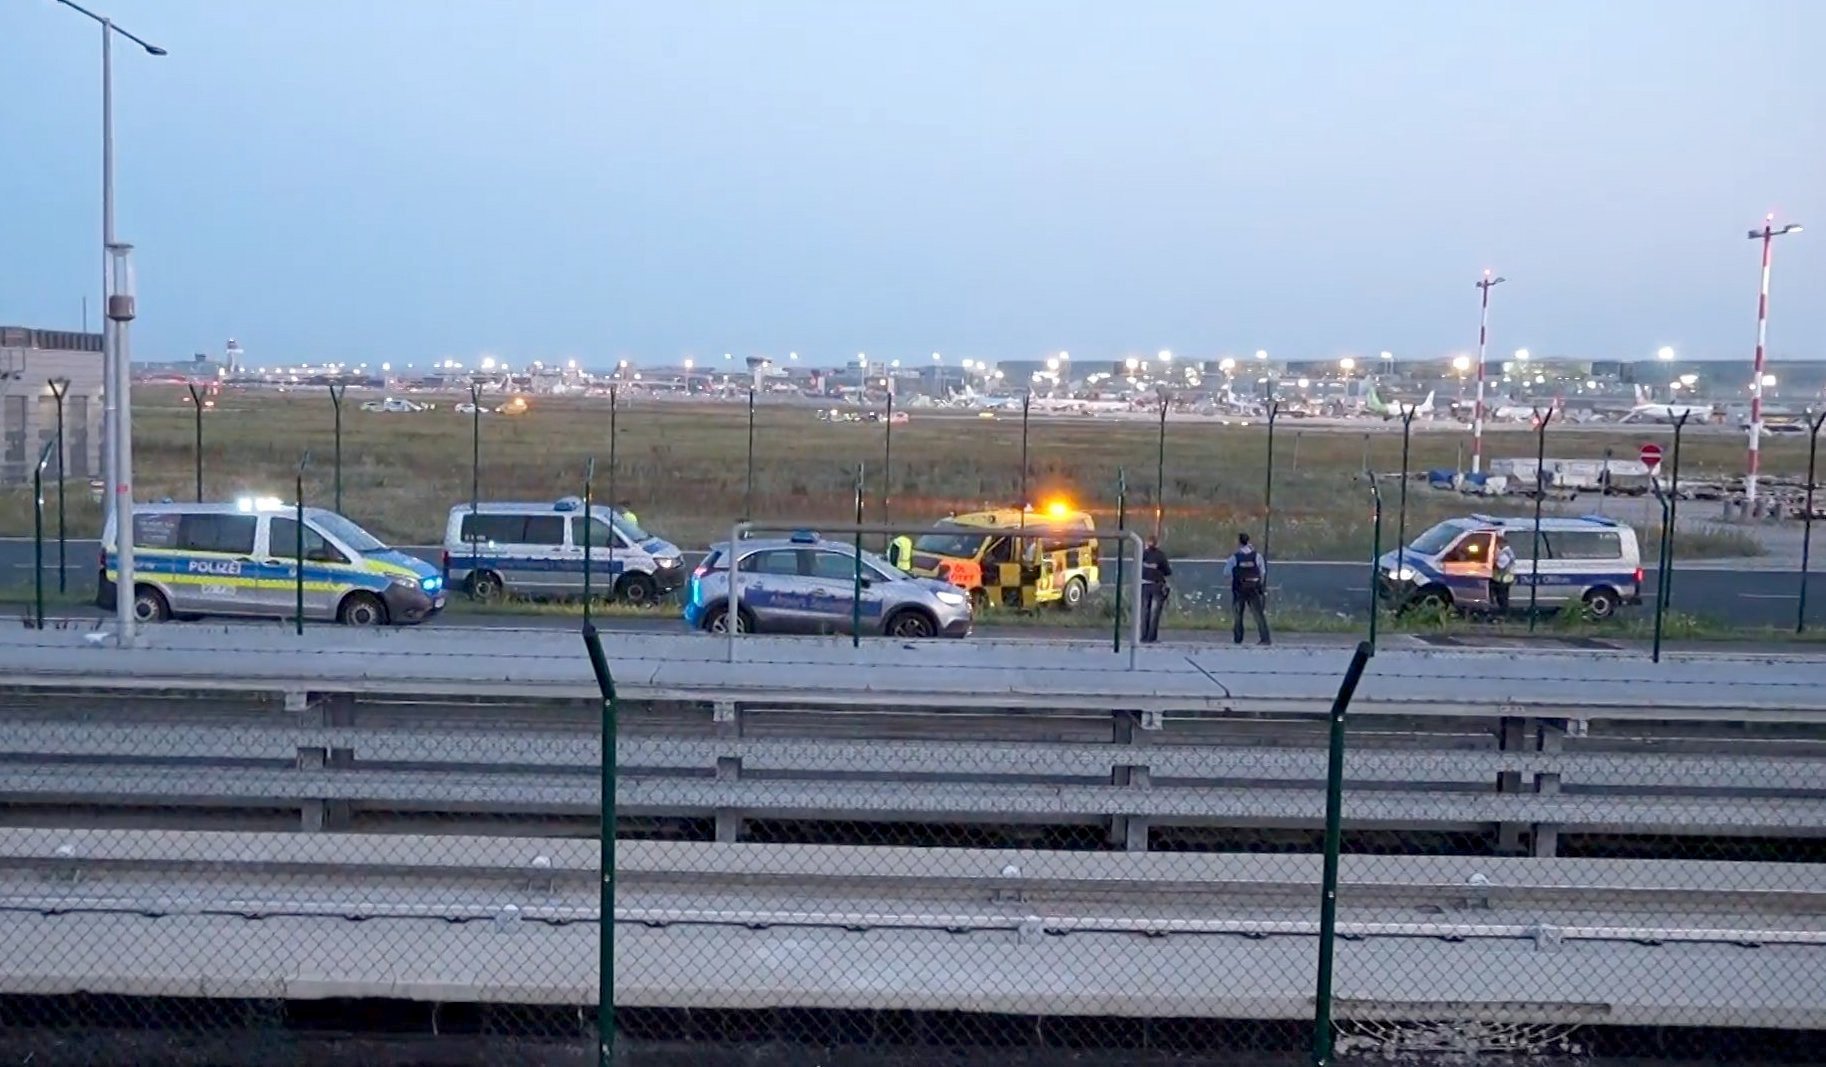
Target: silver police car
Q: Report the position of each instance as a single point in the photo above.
(806, 584)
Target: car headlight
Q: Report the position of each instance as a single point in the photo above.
(405, 582)
(1403, 574)
(953, 599)
(666, 561)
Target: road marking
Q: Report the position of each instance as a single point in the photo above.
(1770, 596)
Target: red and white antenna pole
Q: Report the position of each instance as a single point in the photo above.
(1767, 236)
(1485, 284)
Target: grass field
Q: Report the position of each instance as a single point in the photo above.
(683, 468)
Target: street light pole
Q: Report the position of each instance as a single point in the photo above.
(1767, 236)
(116, 376)
(1484, 285)
(121, 310)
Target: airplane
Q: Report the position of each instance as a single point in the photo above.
(1647, 411)
(1395, 409)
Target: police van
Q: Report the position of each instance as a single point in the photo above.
(1592, 562)
(536, 549)
(242, 558)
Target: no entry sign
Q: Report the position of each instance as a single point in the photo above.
(1650, 455)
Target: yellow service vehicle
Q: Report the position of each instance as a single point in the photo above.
(1014, 557)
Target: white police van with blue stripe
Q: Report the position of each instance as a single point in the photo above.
(242, 558)
(497, 549)
(1591, 561)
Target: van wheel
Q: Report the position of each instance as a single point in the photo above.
(1601, 604)
(362, 609)
(150, 605)
(485, 585)
(1075, 592)
(717, 621)
(637, 589)
(1432, 598)
(912, 624)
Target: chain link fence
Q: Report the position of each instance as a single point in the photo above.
(231, 875)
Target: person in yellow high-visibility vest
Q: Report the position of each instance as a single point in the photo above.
(900, 552)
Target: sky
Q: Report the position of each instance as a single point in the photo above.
(543, 179)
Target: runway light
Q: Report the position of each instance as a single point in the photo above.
(1664, 353)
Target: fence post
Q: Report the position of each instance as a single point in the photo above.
(748, 495)
(589, 523)
(1160, 469)
(1334, 842)
(196, 413)
(605, 901)
(1814, 423)
(614, 501)
(1026, 404)
(1122, 519)
(1274, 412)
(60, 387)
(1673, 516)
(856, 586)
(336, 391)
(298, 547)
(1540, 492)
(887, 461)
(475, 481)
(44, 457)
(1375, 555)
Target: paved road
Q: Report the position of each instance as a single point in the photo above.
(1733, 595)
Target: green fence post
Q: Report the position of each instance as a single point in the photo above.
(298, 547)
(1274, 412)
(856, 587)
(44, 457)
(196, 414)
(336, 391)
(60, 387)
(748, 495)
(1160, 470)
(1122, 525)
(1375, 556)
(589, 522)
(1540, 493)
(1334, 842)
(605, 992)
(1814, 423)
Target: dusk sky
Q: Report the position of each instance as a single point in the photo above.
(417, 179)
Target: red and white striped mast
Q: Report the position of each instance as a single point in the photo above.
(1486, 283)
(1767, 236)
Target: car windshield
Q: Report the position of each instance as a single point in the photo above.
(1436, 540)
(348, 533)
(955, 545)
(888, 570)
(628, 529)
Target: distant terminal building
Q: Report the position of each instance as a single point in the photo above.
(34, 366)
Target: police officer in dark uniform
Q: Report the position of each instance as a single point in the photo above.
(1248, 589)
(1155, 569)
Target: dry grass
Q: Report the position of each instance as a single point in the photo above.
(682, 466)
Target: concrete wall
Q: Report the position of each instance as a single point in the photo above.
(28, 411)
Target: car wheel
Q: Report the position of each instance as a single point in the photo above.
(1075, 592)
(717, 621)
(149, 605)
(1600, 604)
(637, 589)
(362, 609)
(911, 624)
(486, 585)
(1431, 598)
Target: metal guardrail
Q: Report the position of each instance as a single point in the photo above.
(517, 922)
(334, 757)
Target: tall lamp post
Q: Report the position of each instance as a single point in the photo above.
(115, 374)
(1767, 236)
(1484, 285)
(121, 311)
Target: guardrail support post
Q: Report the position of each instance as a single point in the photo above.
(605, 991)
(1129, 831)
(1322, 1037)
(1549, 738)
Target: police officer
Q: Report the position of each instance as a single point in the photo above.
(628, 514)
(1502, 574)
(900, 551)
(1155, 569)
(1248, 573)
